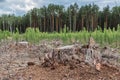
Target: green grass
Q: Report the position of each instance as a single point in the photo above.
(34, 36)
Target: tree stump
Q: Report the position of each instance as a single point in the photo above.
(63, 55)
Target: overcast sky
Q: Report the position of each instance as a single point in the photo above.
(20, 7)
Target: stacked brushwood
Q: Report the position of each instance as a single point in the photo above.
(75, 54)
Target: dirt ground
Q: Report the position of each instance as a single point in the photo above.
(21, 62)
(83, 72)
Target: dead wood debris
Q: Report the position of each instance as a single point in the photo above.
(90, 54)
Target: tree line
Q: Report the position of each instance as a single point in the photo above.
(56, 17)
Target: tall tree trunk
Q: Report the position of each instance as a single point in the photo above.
(44, 24)
(82, 22)
(57, 23)
(3, 25)
(70, 20)
(92, 22)
(87, 23)
(34, 24)
(30, 21)
(40, 24)
(10, 28)
(106, 21)
(52, 22)
(96, 21)
(74, 23)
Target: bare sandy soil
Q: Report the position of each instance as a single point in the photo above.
(21, 62)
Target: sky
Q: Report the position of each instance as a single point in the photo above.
(20, 7)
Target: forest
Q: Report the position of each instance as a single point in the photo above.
(53, 18)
